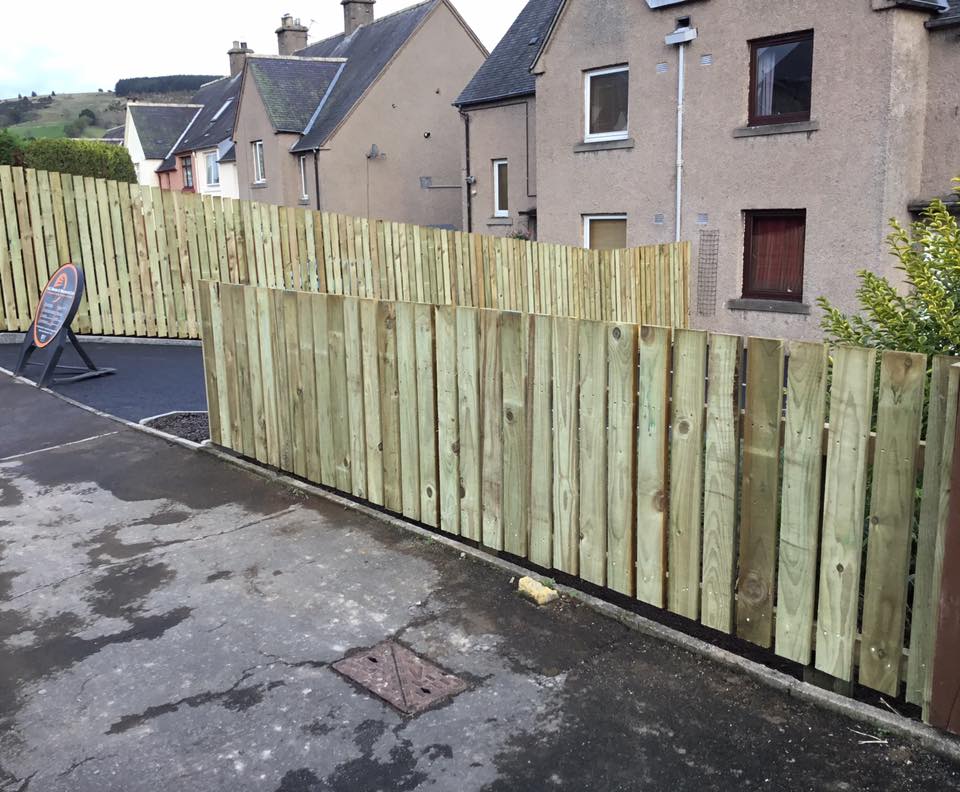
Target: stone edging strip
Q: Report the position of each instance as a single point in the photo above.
(933, 740)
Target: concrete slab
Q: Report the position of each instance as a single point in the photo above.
(170, 622)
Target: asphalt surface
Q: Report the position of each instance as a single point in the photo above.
(150, 379)
(169, 622)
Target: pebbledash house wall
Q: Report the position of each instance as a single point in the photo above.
(502, 130)
(885, 137)
(411, 100)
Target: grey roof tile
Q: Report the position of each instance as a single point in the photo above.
(160, 126)
(368, 50)
(214, 123)
(506, 72)
(292, 88)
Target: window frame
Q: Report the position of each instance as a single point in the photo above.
(599, 137)
(589, 218)
(749, 293)
(259, 163)
(304, 194)
(498, 211)
(755, 120)
(186, 167)
(216, 163)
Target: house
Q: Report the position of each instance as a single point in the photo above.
(499, 112)
(150, 132)
(779, 138)
(203, 158)
(361, 122)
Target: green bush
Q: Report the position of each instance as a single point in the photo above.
(11, 151)
(81, 157)
(925, 317)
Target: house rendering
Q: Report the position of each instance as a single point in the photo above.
(779, 140)
(361, 122)
(149, 134)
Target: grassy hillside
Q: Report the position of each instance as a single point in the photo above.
(46, 117)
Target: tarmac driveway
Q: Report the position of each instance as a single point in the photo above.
(169, 623)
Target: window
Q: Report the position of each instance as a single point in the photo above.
(605, 232)
(213, 168)
(605, 104)
(781, 79)
(186, 163)
(259, 171)
(304, 192)
(773, 254)
(501, 192)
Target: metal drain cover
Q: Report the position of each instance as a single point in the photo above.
(400, 677)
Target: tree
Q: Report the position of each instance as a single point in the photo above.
(11, 152)
(89, 115)
(926, 317)
(33, 93)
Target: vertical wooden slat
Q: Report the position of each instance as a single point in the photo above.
(720, 465)
(592, 343)
(371, 401)
(389, 405)
(491, 400)
(245, 424)
(353, 349)
(851, 400)
(255, 367)
(427, 415)
(325, 418)
(889, 538)
(294, 386)
(339, 400)
(541, 443)
(281, 376)
(800, 500)
(621, 456)
(760, 492)
(516, 461)
(469, 422)
(208, 294)
(268, 380)
(448, 419)
(409, 410)
(686, 472)
(653, 422)
(566, 428)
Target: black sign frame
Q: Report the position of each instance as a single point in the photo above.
(56, 342)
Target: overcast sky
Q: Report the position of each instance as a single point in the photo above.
(68, 46)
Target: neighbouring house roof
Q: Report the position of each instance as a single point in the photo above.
(159, 126)
(115, 133)
(506, 73)
(368, 51)
(230, 155)
(292, 88)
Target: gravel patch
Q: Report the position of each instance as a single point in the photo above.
(192, 426)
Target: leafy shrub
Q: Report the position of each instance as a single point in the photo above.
(926, 316)
(11, 152)
(75, 128)
(81, 157)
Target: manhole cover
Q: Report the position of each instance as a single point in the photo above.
(400, 677)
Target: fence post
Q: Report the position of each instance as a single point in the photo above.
(944, 710)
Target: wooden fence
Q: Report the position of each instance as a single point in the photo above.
(145, 252)
(624, 455)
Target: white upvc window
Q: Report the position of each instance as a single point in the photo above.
(606, 94)
(212, 162)
(605, 231)
(259, 169)
(304, 192)
(501, 188)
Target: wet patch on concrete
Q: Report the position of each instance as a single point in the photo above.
(223, 574)
(123, 589)
(9, 494)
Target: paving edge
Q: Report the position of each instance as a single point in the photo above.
(928, 737)
(17, 338)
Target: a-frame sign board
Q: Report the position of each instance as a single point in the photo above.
(50, 330)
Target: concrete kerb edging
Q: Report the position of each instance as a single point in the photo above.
(926, 736)
(17, 338)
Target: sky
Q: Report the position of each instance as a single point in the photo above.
(70, 47)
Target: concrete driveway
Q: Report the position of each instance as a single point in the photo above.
(169, 623)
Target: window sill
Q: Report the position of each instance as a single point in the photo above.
(769, 306)
(499, 221)
(777, 129)
(258, 186)
(603, 145)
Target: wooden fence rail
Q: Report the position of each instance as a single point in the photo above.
(145, 252)
(622, 454)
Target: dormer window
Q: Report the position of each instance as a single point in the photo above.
(606, 94)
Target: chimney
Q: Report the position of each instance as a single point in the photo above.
(356, 13)
(291, 36)
(238, 56)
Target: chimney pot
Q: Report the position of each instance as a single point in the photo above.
(238, 56)
(291, 35)
(356, 14)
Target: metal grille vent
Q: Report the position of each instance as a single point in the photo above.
(703, 218)
(662, 68)
(706, 60)
(708, 260)
(659, 218)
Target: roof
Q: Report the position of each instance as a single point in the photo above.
(368, 51)
(159, 126)
(214, 123)
(948, 17)
(114, 133)
(506, 72)
(292, 88)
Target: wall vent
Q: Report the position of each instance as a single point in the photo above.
(659, 218)
(703, 218)
(706, 60)
(663, 68)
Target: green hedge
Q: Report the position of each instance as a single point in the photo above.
(81, 157)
